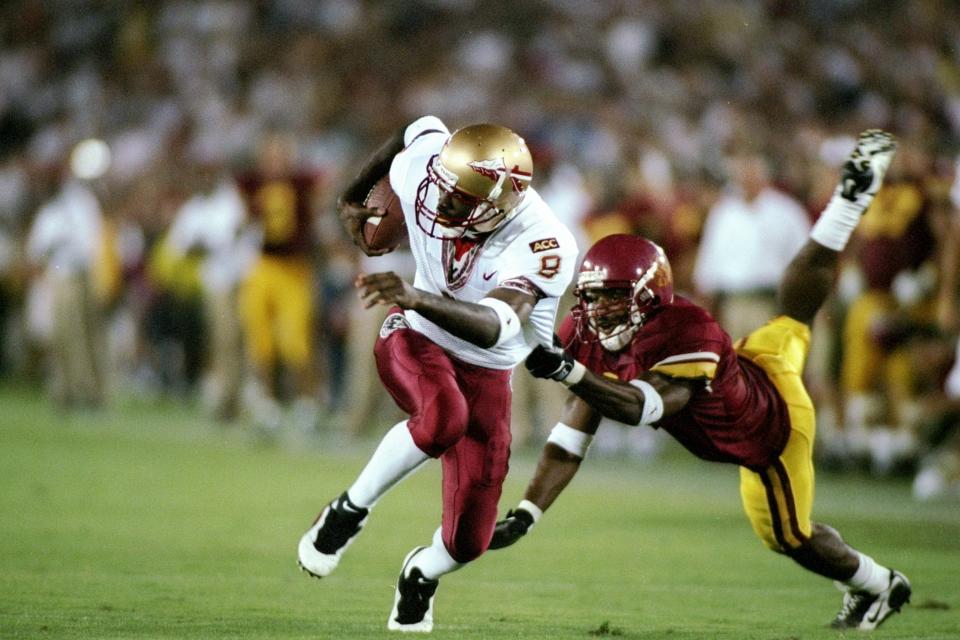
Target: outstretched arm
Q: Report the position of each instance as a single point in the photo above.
(641, 402)
(559, 462)
(486, 323)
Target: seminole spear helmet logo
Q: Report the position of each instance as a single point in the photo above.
(496, 170)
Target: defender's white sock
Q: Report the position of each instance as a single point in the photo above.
(396, 457)
(435, 560)
(871, 576)
(838, 220)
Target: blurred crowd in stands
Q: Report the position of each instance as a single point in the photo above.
(168, 172)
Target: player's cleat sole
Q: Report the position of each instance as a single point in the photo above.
(864, 170)
(413, 600)
(331, 534)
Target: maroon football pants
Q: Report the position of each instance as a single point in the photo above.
(459, 413)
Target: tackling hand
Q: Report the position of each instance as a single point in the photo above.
(354, 216)
(549, 362)
(511, 528)
(386, 288)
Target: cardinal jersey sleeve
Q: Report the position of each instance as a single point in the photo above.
(683, 342)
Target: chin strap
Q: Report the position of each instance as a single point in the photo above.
(618, 338)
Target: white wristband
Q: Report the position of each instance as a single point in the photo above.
(652, 403)
(532, 509)
(576, 374)
(570, 439)
(509, 321)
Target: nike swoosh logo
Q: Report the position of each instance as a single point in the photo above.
(487, 276)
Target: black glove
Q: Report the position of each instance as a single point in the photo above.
(549, 362)
(511, 528)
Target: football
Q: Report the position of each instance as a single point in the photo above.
(388, 231)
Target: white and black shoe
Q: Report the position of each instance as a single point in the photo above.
(413, 600)
(867, 611)
(332, 532)
(864, 170)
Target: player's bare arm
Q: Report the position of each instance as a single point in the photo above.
(482, 324)
(559, 462)
(627, 402)
(557, 465)
(350, 206)
(592, 397)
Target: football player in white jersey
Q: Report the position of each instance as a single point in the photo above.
(492, 262)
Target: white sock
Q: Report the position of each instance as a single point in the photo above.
(435, 560)
(871, 576)
(838, 220)
(396, 457)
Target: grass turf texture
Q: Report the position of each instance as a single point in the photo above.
(150, 522)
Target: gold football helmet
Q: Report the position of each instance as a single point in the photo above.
(475, 183)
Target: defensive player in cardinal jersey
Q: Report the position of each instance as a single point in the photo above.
(635, 352)
(492, 262)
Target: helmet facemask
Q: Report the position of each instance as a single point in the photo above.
(463, 215)
(613, 314)
(474, 184)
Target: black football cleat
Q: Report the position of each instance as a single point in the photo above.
(335, 529)
(413, 600)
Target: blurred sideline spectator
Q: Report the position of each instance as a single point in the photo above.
(66, 245)
(939, 468)
(175, 332)
(277, 297)
(211, 225)
(895, 251)
(368, 406)
(749, 237)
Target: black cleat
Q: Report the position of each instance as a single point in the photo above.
(332, 532)
(413, 600)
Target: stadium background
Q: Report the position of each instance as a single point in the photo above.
(141, 499)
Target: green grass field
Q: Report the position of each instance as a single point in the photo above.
(151, 522)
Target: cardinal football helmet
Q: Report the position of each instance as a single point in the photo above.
(622, 279)
(475, 183)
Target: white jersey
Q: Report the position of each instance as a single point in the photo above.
(533, 252)
(214, 223)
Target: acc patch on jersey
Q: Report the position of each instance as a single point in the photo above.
(393, 322)
(544, 245)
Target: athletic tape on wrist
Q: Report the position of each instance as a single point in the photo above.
(652, 402)
(509, 321)
(837, 222)
(576, 374)
(532, 509)
(570, 439)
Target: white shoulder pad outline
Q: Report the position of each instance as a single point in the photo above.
(423, 125)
